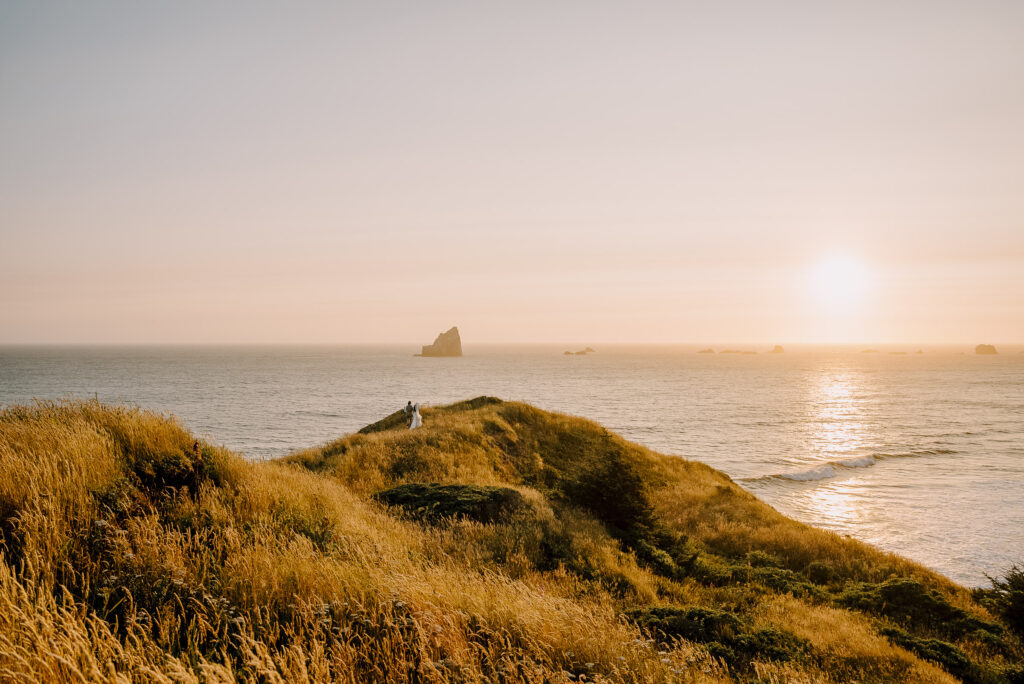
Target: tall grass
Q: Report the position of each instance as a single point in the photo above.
(129, 556)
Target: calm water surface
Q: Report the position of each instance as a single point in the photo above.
(921, 454)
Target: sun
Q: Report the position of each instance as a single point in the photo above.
(839, 280)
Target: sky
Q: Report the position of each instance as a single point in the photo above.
(359, 172)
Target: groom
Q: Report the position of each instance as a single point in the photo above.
(408, 410)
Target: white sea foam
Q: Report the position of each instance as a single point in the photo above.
(835, 468)
(824, 472)
(857, 462)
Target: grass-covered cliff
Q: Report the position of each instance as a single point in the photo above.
(498, 543)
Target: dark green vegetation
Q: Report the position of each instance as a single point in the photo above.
(1006, 598)
(725, 635)
(497, 543)
(435, 502)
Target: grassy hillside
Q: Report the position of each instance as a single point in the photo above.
(498, 543)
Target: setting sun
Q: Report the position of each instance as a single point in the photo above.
(839, 280)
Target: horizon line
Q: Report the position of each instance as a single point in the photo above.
(503, 343)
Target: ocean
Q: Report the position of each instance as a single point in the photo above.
(919, 454)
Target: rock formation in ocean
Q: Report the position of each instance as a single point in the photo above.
(778, 349)
(706, 351)
(985, 349)
(447, 343)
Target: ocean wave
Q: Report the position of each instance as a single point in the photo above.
(319, 414)
(830, 469)
(822, 473)
(916, 453)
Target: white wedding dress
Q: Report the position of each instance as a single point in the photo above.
(417, 421)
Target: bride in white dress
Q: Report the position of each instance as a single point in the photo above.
(417, 421)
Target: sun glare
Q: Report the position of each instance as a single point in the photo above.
(839, 280)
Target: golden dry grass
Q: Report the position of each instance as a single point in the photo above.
(128, 557)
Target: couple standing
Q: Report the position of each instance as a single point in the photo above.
(412, 411)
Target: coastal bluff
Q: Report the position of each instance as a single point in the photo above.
(447, 343)
(496, 535)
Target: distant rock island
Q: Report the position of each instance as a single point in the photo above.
(868, 351)
(777, 349)
(447, 343)
(706, 351)
(581, 352)
(985, 349)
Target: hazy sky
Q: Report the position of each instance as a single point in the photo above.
(530, 171)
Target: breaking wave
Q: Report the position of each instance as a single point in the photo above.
(830, 469)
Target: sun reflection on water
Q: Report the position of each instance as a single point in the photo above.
(838, 419)
(841, 432)
(840, 506)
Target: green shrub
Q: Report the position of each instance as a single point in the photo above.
(783, 580)
(1006, 598)
(768, 644)
(725, 635)
(716, 571)
(696, 624)
(616, 493)
(434, 502)
(762, 559)
(912, 604)
(655, 558)
(1014, 674)
(942, 652)
(820, 572)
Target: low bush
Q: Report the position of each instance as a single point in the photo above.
(909, 602)
(762, 559)
(819, 572)
(435, 502)
(726, 635)
(713, 570)
(1006, 598)
(944, 653)
(695, 623)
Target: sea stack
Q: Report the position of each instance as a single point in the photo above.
(985, 349)
(447, 343)
(778, 349)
